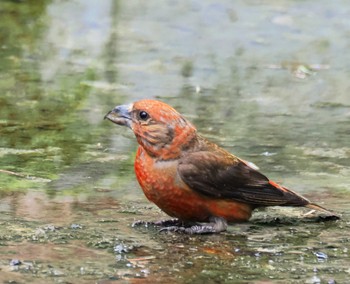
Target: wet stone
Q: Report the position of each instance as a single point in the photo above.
(321, 256)
(50, 228)
(76, 226)
(15, 262)
(122, 248)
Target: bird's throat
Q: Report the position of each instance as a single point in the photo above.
(172, 148)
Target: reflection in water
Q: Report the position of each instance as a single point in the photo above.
(61, 210)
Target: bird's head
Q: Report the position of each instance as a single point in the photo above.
(159, 128)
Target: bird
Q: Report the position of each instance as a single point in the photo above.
(202, 186)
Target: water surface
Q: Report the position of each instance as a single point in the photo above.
(266, 80)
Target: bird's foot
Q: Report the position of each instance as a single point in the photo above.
(162, 223)
(216, 225)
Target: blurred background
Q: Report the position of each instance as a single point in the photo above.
(267, 80)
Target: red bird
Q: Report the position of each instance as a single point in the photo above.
(192, 179)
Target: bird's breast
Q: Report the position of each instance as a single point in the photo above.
(158, 179)
(163, 186)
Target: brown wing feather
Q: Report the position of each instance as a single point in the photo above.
(221, 175)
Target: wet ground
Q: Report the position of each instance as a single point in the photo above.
(266, 80)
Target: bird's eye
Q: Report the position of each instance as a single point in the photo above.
(143, 115)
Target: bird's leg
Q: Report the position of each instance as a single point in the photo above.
(161, 223)
(216, 225)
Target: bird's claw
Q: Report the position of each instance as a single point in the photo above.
(168, 223)
(141, 223)
(216, 225)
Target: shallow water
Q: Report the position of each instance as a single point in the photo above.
(266, 80)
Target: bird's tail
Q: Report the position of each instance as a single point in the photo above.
(322, 209)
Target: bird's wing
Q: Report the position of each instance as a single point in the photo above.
(222, 176)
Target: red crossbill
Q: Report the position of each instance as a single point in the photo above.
(193, 179)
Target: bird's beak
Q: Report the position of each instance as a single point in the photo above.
(120, 115)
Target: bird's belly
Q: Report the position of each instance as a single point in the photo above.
(192, 207)
(162, 185)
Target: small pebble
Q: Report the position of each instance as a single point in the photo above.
(76, 226)
(321, 255)
(14, 262)
(121, 248)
